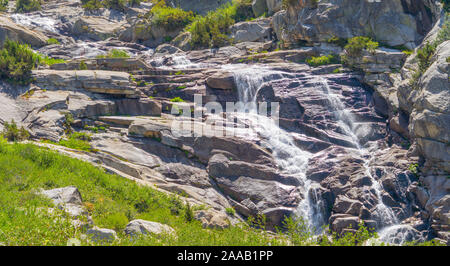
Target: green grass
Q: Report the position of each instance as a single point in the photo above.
(322, 60)
(115, 53)
(76, 141)
(52, 41)
(113, 201)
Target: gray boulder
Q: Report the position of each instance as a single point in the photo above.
(101, 234)
(259, 7)
(252, 31)
(137, 227)
(65, 195)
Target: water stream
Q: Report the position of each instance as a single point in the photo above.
(390, 229)
(290, 159)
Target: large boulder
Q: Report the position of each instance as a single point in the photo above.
(259, 7)
(137, 227)
(108, 82)
(274, 6)
(252, 31)
(101, 234)
(394, 22)
(96, 28)
(12, 31)
(212, 219)
(64, 195)
(221, 80)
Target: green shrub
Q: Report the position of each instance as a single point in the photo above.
(338, 41)
(322, 60)
(12, 133)
(115, 4)
(24, 6)
(211, 30)
(17, 61)
(45, 60)
(424, 56)
(356, 45)
(91, 4)
(3, 5)
(170, 18)
(115, 53)
(52, 41)
(82, 66)
(230, 211)
(176, 100)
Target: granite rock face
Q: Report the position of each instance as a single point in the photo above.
(391, 22)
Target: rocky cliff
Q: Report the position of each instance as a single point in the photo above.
(355, 142)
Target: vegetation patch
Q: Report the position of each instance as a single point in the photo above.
(52, 41)
(211, 30)
(4, 5)
(115, 53)
(24, 6)
(16, 62)
(12, 132)
(323, 60)
(169, 18)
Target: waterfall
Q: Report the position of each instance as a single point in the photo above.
(28, 20)
(290, 159)
(390, 230)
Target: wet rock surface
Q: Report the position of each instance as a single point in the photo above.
(334, 155)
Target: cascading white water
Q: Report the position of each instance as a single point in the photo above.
(43, 23)
(290, 159)
(390, 231)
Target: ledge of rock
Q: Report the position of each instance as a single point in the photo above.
(12, 31)
(108, 82)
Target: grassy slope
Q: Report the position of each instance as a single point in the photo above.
(113, 201)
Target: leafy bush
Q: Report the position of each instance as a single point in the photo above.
(211, 30)
(82, 66)
(12, 133)
(24, 6)
(115, 4)
(356, 45)
(52, 41)
(91, 4)
(115, 53)
(230, 211)
(176, 100)
(322, 60)
(3, 5)
(17, 61)
(45, 60)
(170, 18)
(425, 54)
